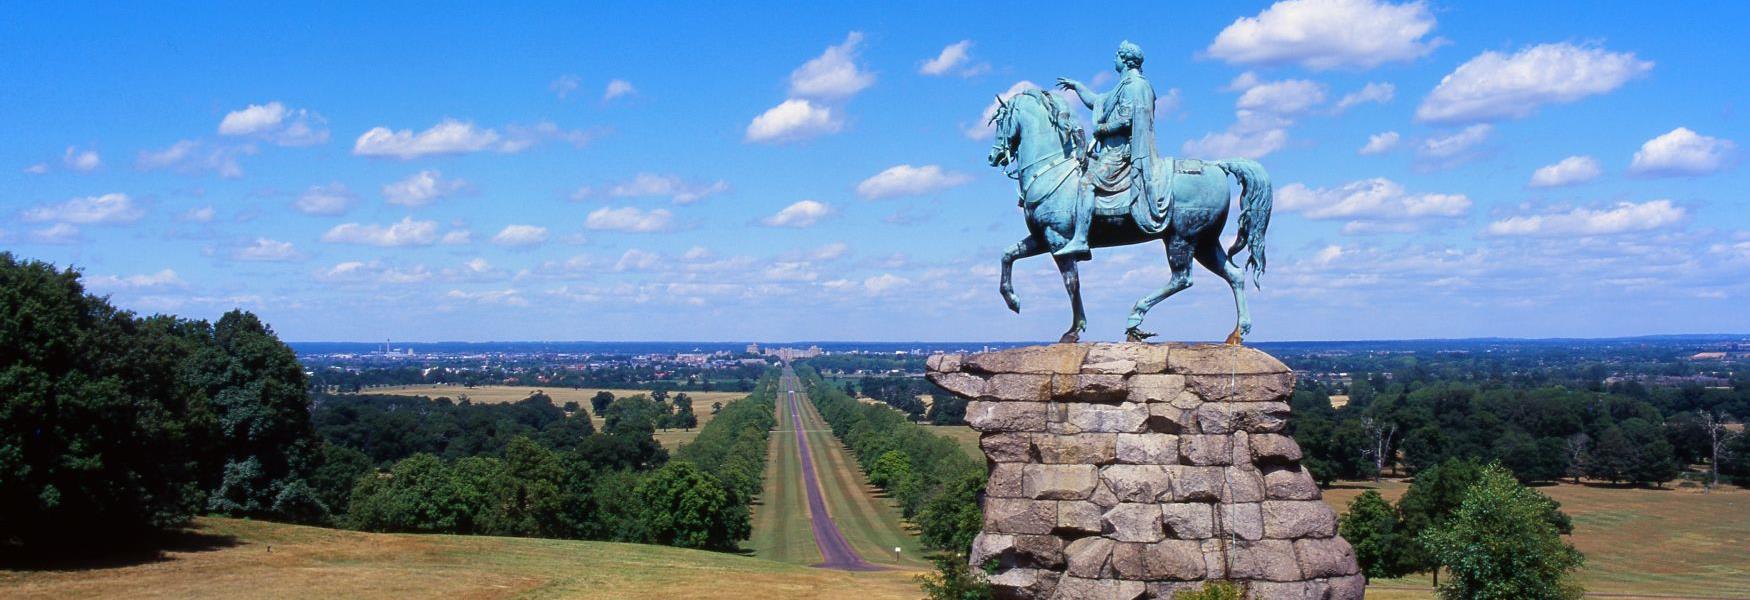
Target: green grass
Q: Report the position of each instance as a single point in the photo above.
(780, 519)
(871, 524)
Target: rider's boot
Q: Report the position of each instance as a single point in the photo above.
(1077, 246)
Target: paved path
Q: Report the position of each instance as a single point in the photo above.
(836, 552)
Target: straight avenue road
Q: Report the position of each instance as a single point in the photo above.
(836, 553)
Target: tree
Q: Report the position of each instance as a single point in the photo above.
(1380, 435)
(953, 579)
(1717, 437)
(338, 469)
(1499, 544)
(1653, 460)
(259, 394)
(686, 507)
(1436, 492)
(1612, 457)
(1382, 548)
(890, 469)
(600, 401)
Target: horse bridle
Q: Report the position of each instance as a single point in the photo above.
(1007, 115)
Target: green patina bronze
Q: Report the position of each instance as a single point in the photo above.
(1117, 192)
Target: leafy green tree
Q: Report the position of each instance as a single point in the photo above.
(600, 401)
(1612, 457)
(632, 415)
(1653, 462)
(529, 501)
(892, 468)
(1382, 548)
(417, 495)
(951, 519)
(1434, 494)
(953, 579)
(1499, 545)
(686, 507)
(257, 390)
(338, 469)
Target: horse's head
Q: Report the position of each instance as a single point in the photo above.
(1002, 151)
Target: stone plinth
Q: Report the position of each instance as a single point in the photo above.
(1135, 470)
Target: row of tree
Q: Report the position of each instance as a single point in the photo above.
(936, 483)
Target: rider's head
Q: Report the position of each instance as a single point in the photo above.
(1129, 56)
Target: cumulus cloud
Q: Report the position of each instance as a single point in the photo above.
(203, 214)
(1379, 143)
(564, 86)
(883, 283)
(1371, 205)
(59, 233)
(422, 188)
(331, 199)
(161, 279)
(276, 124)
(520, 236)
(907, 180)
(190, 156)
(1681, 152)
(629, 219)
(1284, 98)
(37, 169)
(1377, 93)
(953, 60)
(794, 119)
(672, 186)
(1496, 86)
(451, 136)
(1571, 170)
(1237, 143)
(506, 297)
(406, 232)
(1262, 114)
(637, 260)
(618, 88)
(1621, 218)
(375, 271)
(804, 213)
(457, 237)
(80, 160)
(1329, 34)
(108, 209)
(834, 74)
(267, 250)
(1447, 151)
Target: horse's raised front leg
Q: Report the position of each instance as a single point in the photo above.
(1028, 246)
(1179, 259)
(1212, 257)
(1072, 283)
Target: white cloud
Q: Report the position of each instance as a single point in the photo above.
(1624, 217)
(357, 271)
(984, 128)
(1329, 34)
(629, 219)
(447, 137)
(276, 124)
(331, 199)
(164, 278)
(190, 156)
(618, 88)
(1288, 97)
(507, 297)
(1262, 114)
(880, 284)
(681, 191)
(637, 260)
(564, 85)
(406, 232)
(1242, 144)
(268, 250)
(1454, 149)
(1370, 205)
(203, 214)
(1682, 152)
(518, 138)
(834, 74)
(1379, 93)
(1379, 143)
(422, 188)
(830, 251)
(80, 160)
(37, 169)
(907, 180)
(108, 209)
(457, 237)
(520, 236)
(1494, 86)
(59, 233)
(794, 119)
(950, 60)
(1571, 170)
(804, 213)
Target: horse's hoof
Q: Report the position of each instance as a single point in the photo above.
(1136, 335)
(1233, 339)
(1070, 338)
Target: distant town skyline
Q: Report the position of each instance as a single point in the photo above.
(778, 172)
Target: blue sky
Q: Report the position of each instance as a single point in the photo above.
(745, 172)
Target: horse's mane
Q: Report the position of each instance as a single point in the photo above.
(1057, 112)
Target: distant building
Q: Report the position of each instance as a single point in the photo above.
(753, 348)
(1708, 356)
(694, 358)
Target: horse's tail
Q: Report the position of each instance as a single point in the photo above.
(1255, 199)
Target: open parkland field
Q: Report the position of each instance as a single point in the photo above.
(495, 394)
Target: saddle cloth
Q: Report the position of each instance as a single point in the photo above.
(1119, 204)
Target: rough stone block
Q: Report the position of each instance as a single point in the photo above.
(1172, 560)
(1007, 447)
(1294, 519)
(1215, 418)
(1134, 522)
(1018, 388)
(1089, 387)
(989, 546)
(1242, 521)
(1188, 521)
(1058, 482)
(1138, 483)
(1244, 484)
(1051, 359)
(1128, 417)
(1086, 448)
(1206, 450)
(1005, 416)
(943, 363)
(1274, 449)
(1019, 516)
(1351, 587)
(1241, 388)
(1088, 557)
(1196, 484)
(1289, 590)
(965, 385)
(1125, 358)
(1147, 448)
(1078, 588)
(1078, 517)
(1326, 557)
(1156, 388)
(1222, 359)
(1039, 552)
(1168, 418)
(1167, 590)
(1103, 496)
(1270, 560)
(1293, 483)
(1261, 417)
(1005, 481)
(1020, 583)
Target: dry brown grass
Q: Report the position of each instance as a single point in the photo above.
(499, 394)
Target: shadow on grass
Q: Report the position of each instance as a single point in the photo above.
(146, 549)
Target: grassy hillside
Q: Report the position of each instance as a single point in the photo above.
(232, 558)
